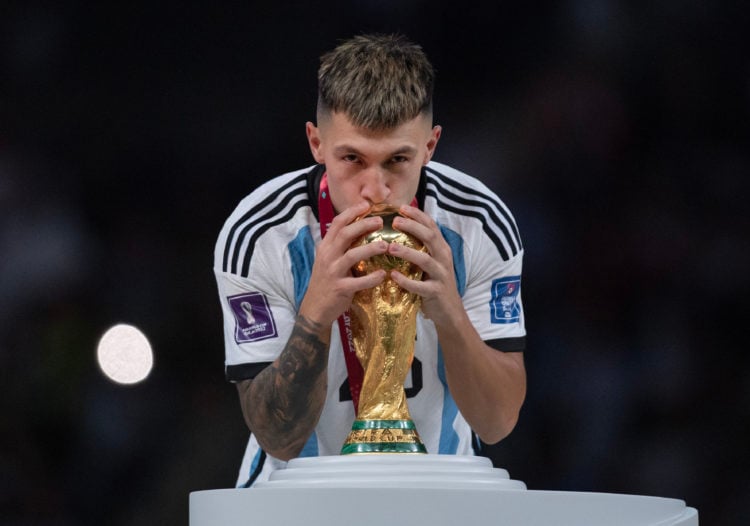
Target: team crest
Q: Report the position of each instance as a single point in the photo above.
(504, 306)
(253, 318)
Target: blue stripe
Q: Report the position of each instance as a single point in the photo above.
(311, 447)
(302, 254)
(448, 435)
(253, 467)
(456, 243)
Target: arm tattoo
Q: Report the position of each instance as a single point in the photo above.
(288, 395)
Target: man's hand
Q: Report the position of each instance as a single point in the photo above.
(440, 299)
(332, 285)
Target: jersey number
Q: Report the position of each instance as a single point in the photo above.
(345, 394)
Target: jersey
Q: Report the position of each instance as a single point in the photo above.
(263, 262)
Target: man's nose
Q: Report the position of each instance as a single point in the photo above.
(375, 187)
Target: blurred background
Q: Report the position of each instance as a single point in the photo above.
(617, 132)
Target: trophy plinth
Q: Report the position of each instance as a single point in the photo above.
(383, 323)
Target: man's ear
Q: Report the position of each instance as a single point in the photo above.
(313, 139)
(432, 142)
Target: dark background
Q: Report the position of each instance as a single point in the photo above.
(617, 132)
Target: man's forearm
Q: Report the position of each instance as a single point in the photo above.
(489, 386)
(283, 403)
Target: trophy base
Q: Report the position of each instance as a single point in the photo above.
(381, 490)
(383, 436)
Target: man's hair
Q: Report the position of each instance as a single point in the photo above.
(378, 81)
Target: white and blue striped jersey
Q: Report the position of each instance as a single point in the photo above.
(263, 261)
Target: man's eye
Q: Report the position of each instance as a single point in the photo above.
(399, 159)
(351, 158)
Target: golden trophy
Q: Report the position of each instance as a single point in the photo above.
(384, 326)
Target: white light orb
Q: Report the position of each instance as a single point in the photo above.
(124, 354)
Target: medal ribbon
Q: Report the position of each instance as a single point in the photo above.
(353, 367)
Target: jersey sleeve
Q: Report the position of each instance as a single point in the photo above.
(257, 308)
(258, 285)
(492, 295)
(487, 253)
(257, 321)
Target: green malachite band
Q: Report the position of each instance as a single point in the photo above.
(383, 447)
(383, 424)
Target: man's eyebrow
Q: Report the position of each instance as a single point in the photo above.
(345, 148)
(405, 149)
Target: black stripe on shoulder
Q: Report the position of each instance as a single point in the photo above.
(478, 215)
(264, 227)
(489, 203)
(247, 216)
(498, 205)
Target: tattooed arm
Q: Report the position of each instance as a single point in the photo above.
(283, 403)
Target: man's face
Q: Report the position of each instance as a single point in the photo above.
(380, 166)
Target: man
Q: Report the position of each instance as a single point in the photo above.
(283, 261)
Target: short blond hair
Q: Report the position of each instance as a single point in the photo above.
(378, 81)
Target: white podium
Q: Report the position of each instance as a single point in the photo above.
(431, 490)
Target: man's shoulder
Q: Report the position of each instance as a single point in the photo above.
(269, 192)
(456, 192)
(435, 166)
(439, 172)
(275, 208)
(465, 204)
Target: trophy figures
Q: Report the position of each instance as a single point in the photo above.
(383, 323)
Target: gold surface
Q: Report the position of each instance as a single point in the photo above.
(360, 436)
(383, 321)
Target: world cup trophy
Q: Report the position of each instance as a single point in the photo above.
(384, 326)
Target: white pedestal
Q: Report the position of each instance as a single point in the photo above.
(430, 490)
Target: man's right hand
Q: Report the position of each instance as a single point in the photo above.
(332, 285)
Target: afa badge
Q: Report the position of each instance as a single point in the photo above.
(253, 318)
(504, 306)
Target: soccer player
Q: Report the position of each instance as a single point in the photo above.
(283, 260)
